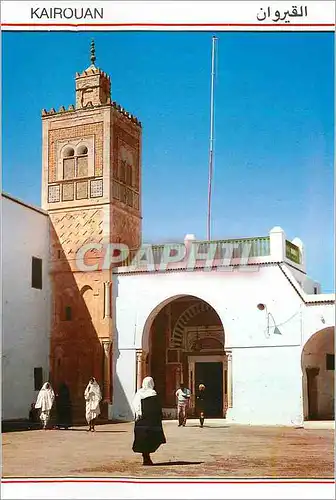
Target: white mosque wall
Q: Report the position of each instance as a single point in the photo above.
(267, 386)
(317, 317)
(266, 345)
(124, 383)
(25, 310)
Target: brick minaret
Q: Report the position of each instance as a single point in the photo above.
(91, 184)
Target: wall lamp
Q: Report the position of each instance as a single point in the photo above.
(263, 307)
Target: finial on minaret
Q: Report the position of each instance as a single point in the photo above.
(93, 52)
(93, 86)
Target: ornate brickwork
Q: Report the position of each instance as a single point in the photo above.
(123, 115)
(77, 131)
(93, 87)
(54, 193)
(126, 195)
(136, 203)
(75, 157)
(96, 188)
(185, 317)
(203, 338)
(126, 165)
(81, 190)
(127, 121)
(74, 229)
(121, 134)
(125, 228)
(115, 190)
(126, 150)
(68, 191)
(76, 345)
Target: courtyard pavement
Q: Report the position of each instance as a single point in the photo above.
(220, 450)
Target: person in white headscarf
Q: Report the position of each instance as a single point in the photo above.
(44, 402)
(148, 431)
(92, 397)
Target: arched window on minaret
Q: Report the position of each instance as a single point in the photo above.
(69, 163)
(75, 164)
(82, 161)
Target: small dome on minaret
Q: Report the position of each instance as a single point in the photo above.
(93, 86)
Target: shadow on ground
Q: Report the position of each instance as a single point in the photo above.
(97, 430)
(177, 462)
(211, 426)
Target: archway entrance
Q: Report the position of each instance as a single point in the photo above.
(318, 369)
(211, 375)
(186, 344)
(210, 371)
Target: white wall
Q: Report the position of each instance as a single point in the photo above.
(267, 376)
(316, 317)
(267, 386)
(124, 385)
(26, 311)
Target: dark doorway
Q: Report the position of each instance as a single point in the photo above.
(312, 374)
(211, 375)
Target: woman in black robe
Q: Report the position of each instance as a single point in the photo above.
(63, 407)
(148, 431)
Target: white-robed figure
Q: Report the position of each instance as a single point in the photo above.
(44, 402)
(92, 397)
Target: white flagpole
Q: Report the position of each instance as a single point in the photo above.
(212, 114)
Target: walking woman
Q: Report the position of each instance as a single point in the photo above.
(200, 402)
(92, 397)
(63, 407)
(44, 402)
(148, 431)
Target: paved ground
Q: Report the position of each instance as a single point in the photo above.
(219, 450)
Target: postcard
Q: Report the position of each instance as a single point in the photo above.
(168, 249)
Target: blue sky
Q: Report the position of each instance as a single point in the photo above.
(274, 127)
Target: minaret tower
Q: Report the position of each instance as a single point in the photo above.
(91, 186)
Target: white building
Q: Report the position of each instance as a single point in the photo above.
(260, 335)
(25, 305)
(264, 332)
